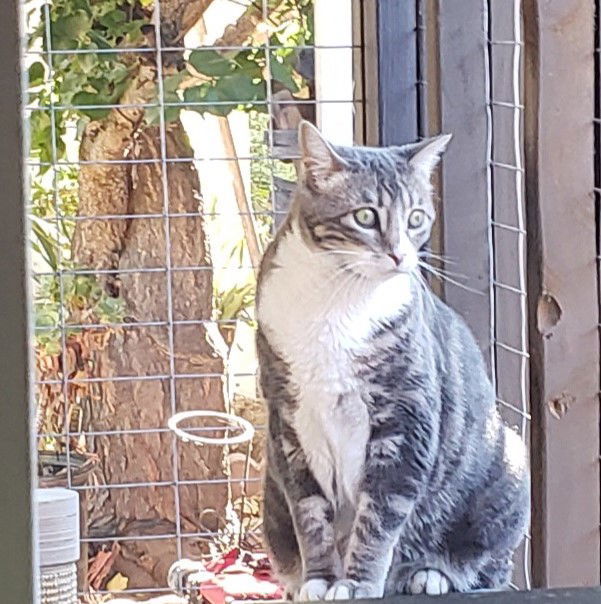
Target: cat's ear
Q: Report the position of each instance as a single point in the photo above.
(319, 160)
(424, 156)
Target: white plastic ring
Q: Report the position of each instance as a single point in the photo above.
(248, 430)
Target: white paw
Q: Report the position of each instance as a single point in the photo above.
(312, 590)
(429, 581)
(186, 574)
(341, 590)
(345, 589)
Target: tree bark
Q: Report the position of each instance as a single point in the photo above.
(125, 246)
(128, 245)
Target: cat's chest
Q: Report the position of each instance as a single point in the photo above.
(330, 417)
(333, 430)
(320, 321)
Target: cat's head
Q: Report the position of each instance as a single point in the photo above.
(371, 207)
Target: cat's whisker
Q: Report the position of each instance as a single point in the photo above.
(444, 277)
(444, 257)
(446, 272)
(435, 257)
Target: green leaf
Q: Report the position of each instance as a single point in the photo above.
(196, 94)
(83, 5)
(153, 115)
(251, 62)
(282, 72)
(67, 30)
(172, 83)
(47, 245)
(102, 43)
(36, 73)
(210, 63)
(118, 90)
(240, 88)
(91, 98)
(86, 62)
(228, 93)
(113, 19)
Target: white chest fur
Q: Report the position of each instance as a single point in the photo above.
(318, 321)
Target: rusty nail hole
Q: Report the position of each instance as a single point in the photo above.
(560, 405)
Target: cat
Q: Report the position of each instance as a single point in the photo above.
(388, 468)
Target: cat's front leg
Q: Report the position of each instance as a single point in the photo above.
(313, 518)
(399, 458)
(378, 523)
(315, 532)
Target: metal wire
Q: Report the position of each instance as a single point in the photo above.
(166, 320)
(508, 100)
(497, 246)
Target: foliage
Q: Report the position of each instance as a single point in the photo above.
(88, 71)
(262, 172)
(81, 295)
(237, 79)
(87, 75)
(87, 78)
(58, 292)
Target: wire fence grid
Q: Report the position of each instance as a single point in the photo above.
(95, 289)
(507, 231)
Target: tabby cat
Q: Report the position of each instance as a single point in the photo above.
(389, 469)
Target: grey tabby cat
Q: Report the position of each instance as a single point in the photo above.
(389, 469)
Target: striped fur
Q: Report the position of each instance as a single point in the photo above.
(388, 467)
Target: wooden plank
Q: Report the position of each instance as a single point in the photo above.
(16, 567)
(563, 307)
(397, 72)
(369, 43)
(358, 78)
(465, 214)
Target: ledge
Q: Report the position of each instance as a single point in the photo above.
(542, 596)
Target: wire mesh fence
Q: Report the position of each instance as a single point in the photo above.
(162, 158)
(507, 232)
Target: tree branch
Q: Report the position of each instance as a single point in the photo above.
(178, 17)
(237, 33)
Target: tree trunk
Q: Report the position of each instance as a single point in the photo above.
(130, 245)
(126, 246)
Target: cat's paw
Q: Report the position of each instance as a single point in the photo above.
(347, 589)
(429, 581)
(312, 590)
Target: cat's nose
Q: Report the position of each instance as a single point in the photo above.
(396, 259)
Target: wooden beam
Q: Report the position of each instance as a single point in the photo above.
(397, 72)
(465, 214)
(564, 307)
(16, 560)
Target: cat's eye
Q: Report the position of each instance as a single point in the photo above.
(416, 219)
(366, 218)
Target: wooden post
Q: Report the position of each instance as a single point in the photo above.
(564, 306)
(465, 213)
(18, 572)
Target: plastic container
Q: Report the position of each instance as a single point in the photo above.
(58, 544)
